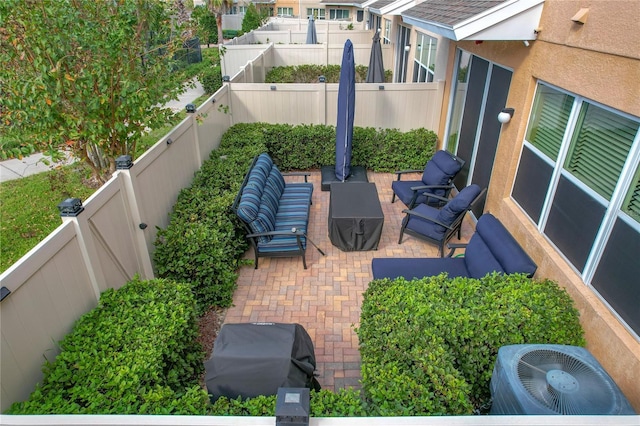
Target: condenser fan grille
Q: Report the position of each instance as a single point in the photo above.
(564, 383)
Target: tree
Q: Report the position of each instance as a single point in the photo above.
(219, 8)
(252, 19)
(88, 75)
(206, 26)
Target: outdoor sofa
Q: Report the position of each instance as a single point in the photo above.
(491, 248)
(274, 214)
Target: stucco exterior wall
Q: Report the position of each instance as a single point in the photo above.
(599, 60)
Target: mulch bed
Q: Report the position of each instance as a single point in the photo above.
(209, 325)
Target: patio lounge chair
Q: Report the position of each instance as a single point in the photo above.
(491, 249)
(436, 179)
(437, 226)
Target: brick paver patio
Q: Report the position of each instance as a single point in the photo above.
(325, 298)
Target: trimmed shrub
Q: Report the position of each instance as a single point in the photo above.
(211, 79)
(305, 147)
(135, 353)
(324, 403)
(428, 346)
(204, 242)
(309, 73)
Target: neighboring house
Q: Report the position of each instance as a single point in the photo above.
(564, 173)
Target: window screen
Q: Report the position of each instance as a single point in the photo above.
(548, 121)
(631, 204)
(599, 148)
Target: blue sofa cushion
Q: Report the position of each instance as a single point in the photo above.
(250, 200)
(504, 247)
(459, 204)
(479, 258)
(410, 268)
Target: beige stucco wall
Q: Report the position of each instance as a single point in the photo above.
(599, 60)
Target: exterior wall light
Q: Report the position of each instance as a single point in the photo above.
(505, 115)
(292, 407)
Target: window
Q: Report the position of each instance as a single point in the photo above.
(285, 11)
(631, 204)
(599, 148)
(338, 14)
(579, 180)
(243, 9)
(317, 13)
(425, 59)
(386, 34)
(548, 121)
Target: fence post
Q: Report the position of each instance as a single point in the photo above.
(88, 251)
(144, 258)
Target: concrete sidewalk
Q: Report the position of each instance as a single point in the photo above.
(16, 168)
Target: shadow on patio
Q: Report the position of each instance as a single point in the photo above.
(326, 298)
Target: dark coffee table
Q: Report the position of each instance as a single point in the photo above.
(355, 216)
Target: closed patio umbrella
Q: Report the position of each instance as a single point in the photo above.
(346, 112)
(375, 73)
(312, 37)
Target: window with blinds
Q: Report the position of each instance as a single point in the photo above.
(631, 204)
(549, 118)
(599, 148)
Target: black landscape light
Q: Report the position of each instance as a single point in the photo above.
(292, 407)
(71, 207)
(123, 162)
(191, 108)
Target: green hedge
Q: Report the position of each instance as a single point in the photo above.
(305, 147)
(204, 243)
(428, 346)
(324, 403)
(310, 73)
(135, 353)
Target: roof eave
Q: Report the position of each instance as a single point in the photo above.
(512, 20)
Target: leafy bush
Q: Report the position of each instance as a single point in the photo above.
(211, 79)
(204, 242)
(324, 403)
(428, 346)
(309, 74)
(305, 147)
(135, 353)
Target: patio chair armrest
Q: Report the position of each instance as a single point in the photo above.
(427, 218)
(453, 246)
(305, 174)
(298, 234)
(399, 173)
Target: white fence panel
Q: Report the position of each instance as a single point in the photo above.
(158, 176)
(404, 106)
(213, 118)
(50, 289)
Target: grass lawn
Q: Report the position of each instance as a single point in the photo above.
(28, 206)
(29, 212)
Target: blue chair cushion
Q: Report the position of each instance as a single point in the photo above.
(458, 205)
(425, 227)
(440, 169)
